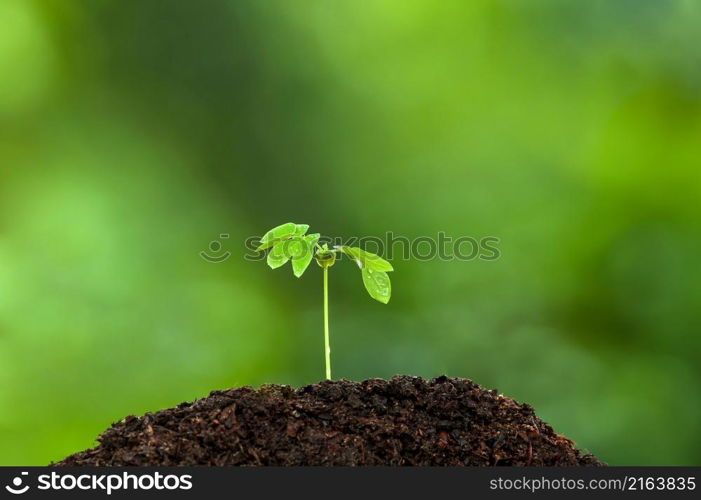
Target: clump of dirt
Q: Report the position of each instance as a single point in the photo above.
(403, 421)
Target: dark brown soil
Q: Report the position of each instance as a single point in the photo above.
(403, 421)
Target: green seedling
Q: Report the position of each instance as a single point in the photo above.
(290, 242)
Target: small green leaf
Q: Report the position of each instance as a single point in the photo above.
(367, 259)
(325, 257)
(303, 254)
(278, 233)
(377, 284)
(300, 229)
(279, 255)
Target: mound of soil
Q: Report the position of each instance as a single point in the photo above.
(403, 421)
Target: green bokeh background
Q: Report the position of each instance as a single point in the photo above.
(133, 133)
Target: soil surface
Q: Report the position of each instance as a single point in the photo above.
(403, 421)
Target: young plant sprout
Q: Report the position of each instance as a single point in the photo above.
(290, 242)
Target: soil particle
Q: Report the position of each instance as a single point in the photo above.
(404, 421)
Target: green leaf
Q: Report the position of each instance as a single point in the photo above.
(303, 253)
(300, 229)
(279, 255)
(367, 259)
(279, 233)
(377, 284)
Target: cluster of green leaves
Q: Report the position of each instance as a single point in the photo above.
(290, 242)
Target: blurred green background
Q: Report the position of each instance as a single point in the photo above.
(133, 133)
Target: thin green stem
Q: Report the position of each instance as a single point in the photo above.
(327, 344)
